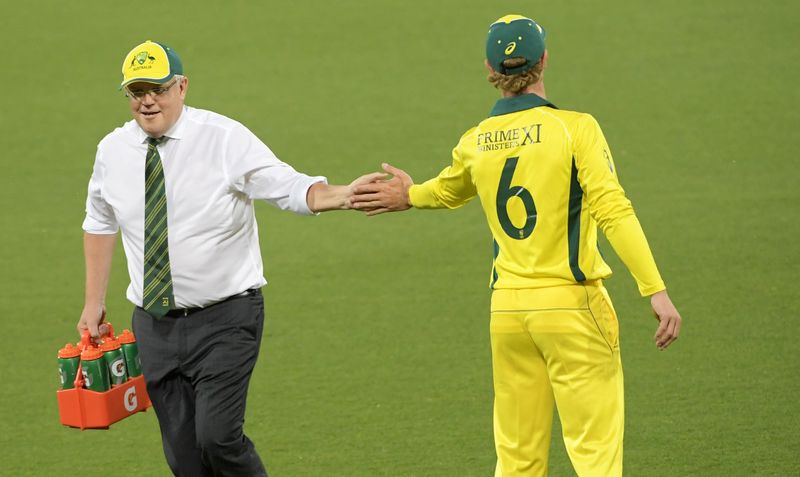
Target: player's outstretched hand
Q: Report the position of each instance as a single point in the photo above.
(322, 197)
(669, 320)
(389, 195)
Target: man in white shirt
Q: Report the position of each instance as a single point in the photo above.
(180, 184)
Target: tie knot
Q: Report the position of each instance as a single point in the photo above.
(155, 141)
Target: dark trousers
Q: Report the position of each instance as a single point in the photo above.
(197, 369)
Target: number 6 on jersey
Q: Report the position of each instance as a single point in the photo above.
(505, 191)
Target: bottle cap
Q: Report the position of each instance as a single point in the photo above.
(109, 345)
(90, 354)
(126, 337)
(69, 351)
(86, 341)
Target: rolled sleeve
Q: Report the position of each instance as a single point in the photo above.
(281, 186)
(254, 170)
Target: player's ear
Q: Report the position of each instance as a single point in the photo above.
(544, 59)
(488, 66)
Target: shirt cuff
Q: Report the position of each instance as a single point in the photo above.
(421, 197)
(299, 195)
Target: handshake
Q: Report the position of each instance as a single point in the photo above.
(380, 192)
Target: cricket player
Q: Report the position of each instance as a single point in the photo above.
(546, 180)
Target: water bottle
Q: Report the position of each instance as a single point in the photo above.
(115, 361)
(68, 361)
(131, 352)
(95, 370)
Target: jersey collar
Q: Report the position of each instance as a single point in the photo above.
(512, 104)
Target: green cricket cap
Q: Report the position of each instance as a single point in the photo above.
(150, 62)
(514, 36)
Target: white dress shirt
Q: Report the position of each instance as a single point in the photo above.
(214, 168)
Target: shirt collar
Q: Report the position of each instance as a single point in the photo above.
(175, 132)
(512, 104)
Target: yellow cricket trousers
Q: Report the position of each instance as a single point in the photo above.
(556, 345)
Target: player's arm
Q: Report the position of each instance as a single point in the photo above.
(615, 216)
(452, 188)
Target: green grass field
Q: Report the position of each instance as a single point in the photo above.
(376, 357)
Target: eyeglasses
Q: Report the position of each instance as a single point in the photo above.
(139, 94)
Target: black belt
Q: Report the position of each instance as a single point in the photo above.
(179, 312)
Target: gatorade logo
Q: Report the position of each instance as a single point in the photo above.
(129, 399)
(511, 47)
(118, 368)
(61, 375)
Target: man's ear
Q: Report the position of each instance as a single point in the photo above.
(184, 86)
(544, 59)
(488, 66)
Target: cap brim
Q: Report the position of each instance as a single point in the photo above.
(146, 80)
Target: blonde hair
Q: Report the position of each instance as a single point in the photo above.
(518, 82)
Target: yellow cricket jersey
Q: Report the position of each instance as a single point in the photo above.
(546, 180)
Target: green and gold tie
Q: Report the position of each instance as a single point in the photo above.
(158, 298)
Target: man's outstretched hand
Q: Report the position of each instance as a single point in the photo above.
(390, 195)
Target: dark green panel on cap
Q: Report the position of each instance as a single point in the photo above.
(175, 63)
(514, 36)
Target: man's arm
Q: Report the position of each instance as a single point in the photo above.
(323, 197)
(98, 250)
